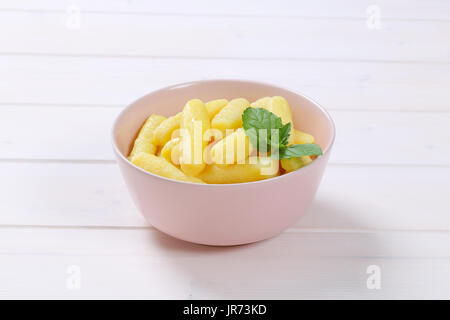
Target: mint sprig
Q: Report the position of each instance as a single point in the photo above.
(262, 128)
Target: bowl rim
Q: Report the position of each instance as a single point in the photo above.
(189, 83)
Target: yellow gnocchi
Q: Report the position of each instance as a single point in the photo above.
(214, 106)
(234, 148)
(209, 143)
(161, 167)
(258, 168)
(230, 117)
(163, 133)
(168, 151)
(195, 121)
(144, 139)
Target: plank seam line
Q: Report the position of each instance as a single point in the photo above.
(173, 57)
(74, 161)
(113, 106)
(111, 161)
(352, 256)
(224, 15)
(62, 105)
(289, 230)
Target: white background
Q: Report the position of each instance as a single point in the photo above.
(384, 199)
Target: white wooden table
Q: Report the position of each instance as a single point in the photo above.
(68, 228)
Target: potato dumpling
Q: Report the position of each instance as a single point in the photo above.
(230, 117)
(293, 164)
(164, 131)
(143, 142)
(302, 137)
(167, 152)
(195, 121)
(257, 168)
(234, 148)
(280, 107)
(262, 103)
(214, 106)
(161, 167)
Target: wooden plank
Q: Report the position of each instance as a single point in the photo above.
(225, 37)
(129, 277)
(403, 9)
(412, 138)
(349, 198)
(147, 264)
(57, 133)
(292, 243)
(361, 197)
(391, 137)
(118, 81)
(65, 194)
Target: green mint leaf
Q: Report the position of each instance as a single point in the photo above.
(285, 132)
(300, 150)
(279, 139)
(258, 124)
(260, 118)
(256, 119)
(253, 136)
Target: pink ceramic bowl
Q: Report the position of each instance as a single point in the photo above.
(216, 214)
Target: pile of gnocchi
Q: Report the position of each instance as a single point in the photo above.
(207, 143)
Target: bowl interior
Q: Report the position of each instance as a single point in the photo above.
(307, 115)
